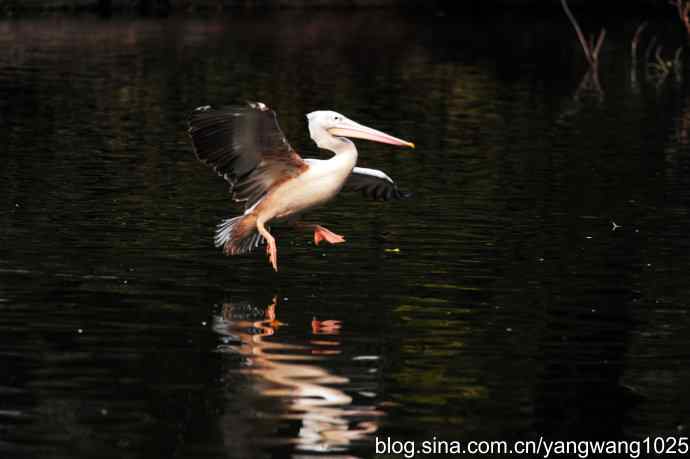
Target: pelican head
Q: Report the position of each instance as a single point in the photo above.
(330, 131)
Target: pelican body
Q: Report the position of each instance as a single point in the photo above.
(245, 145)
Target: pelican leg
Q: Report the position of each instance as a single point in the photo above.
(322, 234)
(271, 249)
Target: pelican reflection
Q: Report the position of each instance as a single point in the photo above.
(292, 369)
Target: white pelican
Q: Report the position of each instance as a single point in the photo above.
(245, 145)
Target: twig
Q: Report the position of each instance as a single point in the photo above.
(676, 57)
(634, 43)
(678, 65)
(578, 31)
(659, 69)
(591, 49)
(650, 47)
(636, 40)
(600, 41)
(660, 61)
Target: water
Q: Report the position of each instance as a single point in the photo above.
(500, 303)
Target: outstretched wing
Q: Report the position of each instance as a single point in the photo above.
(245, 145)
(374, 184)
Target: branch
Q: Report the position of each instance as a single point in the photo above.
(676, 57)
(636, 39)
(600, 41)
(578, 31)
(661, 64)
(650, 48)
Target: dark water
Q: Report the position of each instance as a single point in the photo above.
(499, 303)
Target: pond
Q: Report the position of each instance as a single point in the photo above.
(536, 284)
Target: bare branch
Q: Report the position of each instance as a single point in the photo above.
(650, 47)
(676, 57)
(600, 41)
(677, 65)
(578, 31)
(660, 60)
(636, 40)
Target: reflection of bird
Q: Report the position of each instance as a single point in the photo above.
(245, 145)
(300, 375)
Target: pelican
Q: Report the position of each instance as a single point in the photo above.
(245, 145)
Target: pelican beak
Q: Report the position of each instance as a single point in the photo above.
(348, 128)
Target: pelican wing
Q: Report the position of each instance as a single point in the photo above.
(244, 144)
(374, 184)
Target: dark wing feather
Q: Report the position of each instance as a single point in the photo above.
(374, 184)
(244, 144)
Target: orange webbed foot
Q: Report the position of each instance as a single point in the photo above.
(272, 252)
(322, 234)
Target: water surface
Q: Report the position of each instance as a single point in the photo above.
(501, 302)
